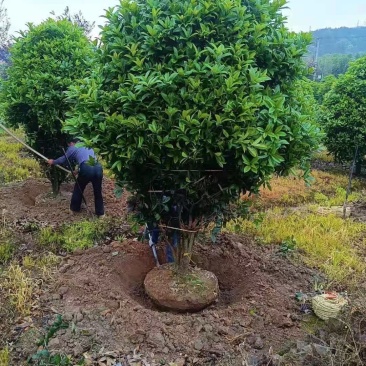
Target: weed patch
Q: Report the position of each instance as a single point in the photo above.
(325, 241)
(6, 252)
(44, 264)
(6, 246)
(19, 287)
(4, 357)
(15, 164)
(44, 357)
(81, 235)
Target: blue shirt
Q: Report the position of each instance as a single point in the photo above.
(77, 155)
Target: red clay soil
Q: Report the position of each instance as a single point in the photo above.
(102, 291)
(32, 201)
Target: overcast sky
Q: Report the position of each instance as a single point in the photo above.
(302, 15)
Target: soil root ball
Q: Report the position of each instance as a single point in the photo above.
(192, 290)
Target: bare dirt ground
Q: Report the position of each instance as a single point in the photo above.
(100, 293)
(32, 201)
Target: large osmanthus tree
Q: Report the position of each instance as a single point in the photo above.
(192, 102)
(45, 61)
(343, 115)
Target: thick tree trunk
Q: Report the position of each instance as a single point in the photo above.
(184, 250)
(56, 179)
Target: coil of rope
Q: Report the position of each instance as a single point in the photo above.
(328, 305)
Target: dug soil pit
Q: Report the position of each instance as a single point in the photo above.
(101, 291)
(32, 201)
(192, 290)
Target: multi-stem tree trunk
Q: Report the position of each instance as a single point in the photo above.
(183, 252)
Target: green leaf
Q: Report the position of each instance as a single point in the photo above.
(252, 151)
(195, 98)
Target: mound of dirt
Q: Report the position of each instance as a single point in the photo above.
(102, 291)
(31, 201)
(190, 291)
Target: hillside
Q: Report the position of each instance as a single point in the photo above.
(339, 41)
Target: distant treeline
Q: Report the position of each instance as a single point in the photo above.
(337, 48)
(339, 41)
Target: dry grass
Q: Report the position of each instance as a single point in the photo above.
(326, 241)
(323, 155)
(44, 264)
(15, 164)
(328, 189)
(19, 282)
(18, 287)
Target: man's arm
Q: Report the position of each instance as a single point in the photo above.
(62, 159)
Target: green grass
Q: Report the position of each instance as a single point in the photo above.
(7, 247)
(327, 242)
(4, 357)
(337, 199)
(6, 252)
(81, 235)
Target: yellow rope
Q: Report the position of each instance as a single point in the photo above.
(328, 305)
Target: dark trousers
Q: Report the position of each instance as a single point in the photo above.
(88, 174)
(154, 231)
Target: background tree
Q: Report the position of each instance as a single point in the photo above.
(77, 18)
(4, 40)
(197, 99)
(45, 61)
(4, 27)
(334, 64)
(321, 88)
(343, 115)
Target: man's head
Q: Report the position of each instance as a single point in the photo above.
(71, 141)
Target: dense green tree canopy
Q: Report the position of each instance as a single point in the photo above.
(343, 115)
(323, 87)
(182, 88)
(45, 61)
(334, 64)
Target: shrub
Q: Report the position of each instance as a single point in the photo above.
(342, 115)
(45, 60)
(198, 100)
